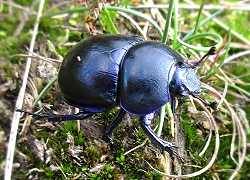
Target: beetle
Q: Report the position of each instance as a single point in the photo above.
(139, 76)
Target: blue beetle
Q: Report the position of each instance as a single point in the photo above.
(139, 76)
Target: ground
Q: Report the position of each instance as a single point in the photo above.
(77, 150)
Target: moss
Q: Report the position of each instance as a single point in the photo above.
(193, 139)
(12, 46)
(106, 173)
(93, 153)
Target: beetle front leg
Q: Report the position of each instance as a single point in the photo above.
(164, 145)
(114, 124)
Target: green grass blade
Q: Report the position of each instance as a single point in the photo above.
(107, 21)
(168, 22)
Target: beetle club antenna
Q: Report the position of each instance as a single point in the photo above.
(211, 105)
(211, 51)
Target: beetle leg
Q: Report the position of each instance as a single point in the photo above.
(173, 104)
(164, 145)
(58, 117)
(114, 124)
(68, 117)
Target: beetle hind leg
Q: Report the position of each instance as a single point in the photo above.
(113, 125)
(69, 117)
(164, 145)
(59, 117)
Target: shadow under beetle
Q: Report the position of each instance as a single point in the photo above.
(139, 76)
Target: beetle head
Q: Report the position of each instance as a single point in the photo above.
(185, 81)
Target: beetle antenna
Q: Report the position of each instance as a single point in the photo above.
(211, 51)
(211, 105)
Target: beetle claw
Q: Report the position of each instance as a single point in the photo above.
(168, 144)
(169, 147)
(108, 139)
(34, 115)
(172, 150)
(180, 158)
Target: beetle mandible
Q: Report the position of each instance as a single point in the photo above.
(138, 76)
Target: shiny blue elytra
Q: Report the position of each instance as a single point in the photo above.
(89, 75)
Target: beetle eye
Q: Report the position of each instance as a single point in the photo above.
(179, 63)
(184, 91)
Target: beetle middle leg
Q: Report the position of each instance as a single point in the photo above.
(164, 145)
(113, 125)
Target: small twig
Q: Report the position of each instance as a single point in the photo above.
(31, 85)
(23, 19)
(242, 115)
(61, 169)
(191, 98)
(232, 84)
(162, 118)
(203, 151)
(139, 146)
(238, 45)
(234, 7)
(156, 14)
(191, 165)
(134, 23)
(239, 96)
(223, 95)
(19, 102)
(136, 13)
(232, 146)
(236, 56)
(37, 56)
(136, 147)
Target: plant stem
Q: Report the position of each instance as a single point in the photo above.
(19, 102)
